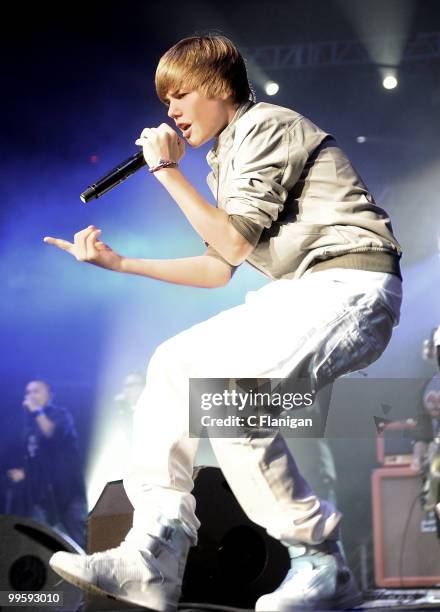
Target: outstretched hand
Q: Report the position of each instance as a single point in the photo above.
(87, 247)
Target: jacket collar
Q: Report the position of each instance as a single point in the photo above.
(226, 136)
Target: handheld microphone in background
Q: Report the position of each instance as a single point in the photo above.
(114, 177)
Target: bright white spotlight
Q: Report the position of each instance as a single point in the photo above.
(271, 88)
(389, 82)
(361, 139)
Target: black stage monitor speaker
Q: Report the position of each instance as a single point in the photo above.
(235, 560)
(25, 549)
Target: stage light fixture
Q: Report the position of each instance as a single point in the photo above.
(271, 88)
(390, 82)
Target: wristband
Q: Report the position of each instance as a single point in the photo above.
(163, 163)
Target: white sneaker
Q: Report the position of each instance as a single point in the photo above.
(151, 577)
(319, 579)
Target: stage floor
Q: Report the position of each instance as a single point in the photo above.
(383, 599)
(377, 600)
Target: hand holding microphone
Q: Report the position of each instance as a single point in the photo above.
(161, 143)
(30, 403)
(161, 147)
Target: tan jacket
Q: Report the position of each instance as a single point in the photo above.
(291, 191)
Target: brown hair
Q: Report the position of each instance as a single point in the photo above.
(210, 63)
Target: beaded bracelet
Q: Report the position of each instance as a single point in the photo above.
(163, 163)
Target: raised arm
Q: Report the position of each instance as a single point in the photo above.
(212, 224)
(199, 271)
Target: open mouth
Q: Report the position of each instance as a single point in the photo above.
(185, 128)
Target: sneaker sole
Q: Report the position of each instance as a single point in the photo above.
(346, 602)
(91, 588)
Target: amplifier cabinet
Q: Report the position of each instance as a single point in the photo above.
(406, 547)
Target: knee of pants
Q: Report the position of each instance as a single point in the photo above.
(354, 343)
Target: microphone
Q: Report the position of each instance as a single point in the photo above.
(114, 177)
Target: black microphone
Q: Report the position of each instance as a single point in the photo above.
(114, 177)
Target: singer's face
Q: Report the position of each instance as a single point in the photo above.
(199, 118)
(37, 393)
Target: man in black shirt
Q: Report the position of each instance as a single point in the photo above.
(51, 474)
(426, 449)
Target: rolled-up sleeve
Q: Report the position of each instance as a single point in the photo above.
(268, 160)
(211, 252)
(247, 228)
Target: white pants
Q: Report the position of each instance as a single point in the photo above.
(329, 322)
